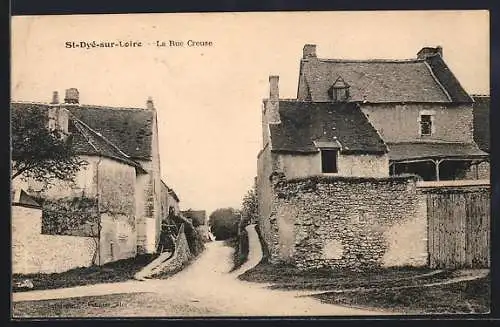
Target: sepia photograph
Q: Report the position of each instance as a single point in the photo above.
(250, 164)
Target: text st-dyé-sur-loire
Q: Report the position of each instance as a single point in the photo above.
(135, 44)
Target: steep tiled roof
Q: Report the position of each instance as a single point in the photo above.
(376, 80)
(85, 140)
(408, 151)
(130, 129)
(24, 199)
(482, 122)
(303, 123)
(448, 79)
(170, 191)
(173, 194)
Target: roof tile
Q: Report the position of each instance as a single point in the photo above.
(303, 123)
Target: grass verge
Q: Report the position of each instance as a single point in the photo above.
(117, 271)
(112, 305)
(284, 276)
(466, 297)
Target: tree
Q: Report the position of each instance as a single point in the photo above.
(224, 223)
(249, 208)
(40, 153)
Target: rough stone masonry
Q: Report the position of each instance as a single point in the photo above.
(348, 222)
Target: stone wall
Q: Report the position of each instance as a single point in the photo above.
(180, 257)
(343, 222)
(117, 187)
(399, 122)
(33, 252)
(264, 192)
(483, 171)
(362, 165)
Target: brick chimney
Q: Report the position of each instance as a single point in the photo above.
(58, 115)
(274, 92)
(149, 104)
(309, 51)
(272, 105)
(55, 98)
(427, 52)
(72, 96)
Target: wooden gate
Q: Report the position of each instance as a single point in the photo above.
(459, 227)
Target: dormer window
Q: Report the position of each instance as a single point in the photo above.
(340, 90)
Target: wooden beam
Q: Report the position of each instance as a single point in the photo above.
(437, 162)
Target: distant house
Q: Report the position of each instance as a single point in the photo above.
(122, 177)
(169, 201)
(198, 217)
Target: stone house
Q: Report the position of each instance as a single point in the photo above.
(169, 201)
(417, 106)
(122, 175)
(337, 173)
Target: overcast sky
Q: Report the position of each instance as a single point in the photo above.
(209, 99)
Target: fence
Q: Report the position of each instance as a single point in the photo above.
(458, 225)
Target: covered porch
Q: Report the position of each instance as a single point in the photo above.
(437, 161)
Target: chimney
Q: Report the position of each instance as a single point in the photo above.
(72, 96)
(149, 104)
(272, 105)
(309, 51)
(427, 52)
(55, 98)
(274, 92)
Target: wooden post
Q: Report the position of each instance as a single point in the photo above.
(393, 168)
(477, 169)
(437, 162)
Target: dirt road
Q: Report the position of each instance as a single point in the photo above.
(205, 288)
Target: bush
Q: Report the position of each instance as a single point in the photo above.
(241, 249)
(194, 239)
(265, 249)
(224, 223)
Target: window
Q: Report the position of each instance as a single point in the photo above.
(72, 127)
(329, 161)
(425, 124)
(340, 90)
(340, 94)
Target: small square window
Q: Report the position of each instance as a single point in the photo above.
(425, 124)
(329, 161)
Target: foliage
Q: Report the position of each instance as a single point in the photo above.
(41, 153)
(249, 208)
(194, 239)
(224, 223)
(67, 215)
(77, 216)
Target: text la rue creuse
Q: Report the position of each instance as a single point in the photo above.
(135, 44)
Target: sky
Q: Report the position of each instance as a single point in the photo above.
(209, 99)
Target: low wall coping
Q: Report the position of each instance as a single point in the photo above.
(454, 183)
